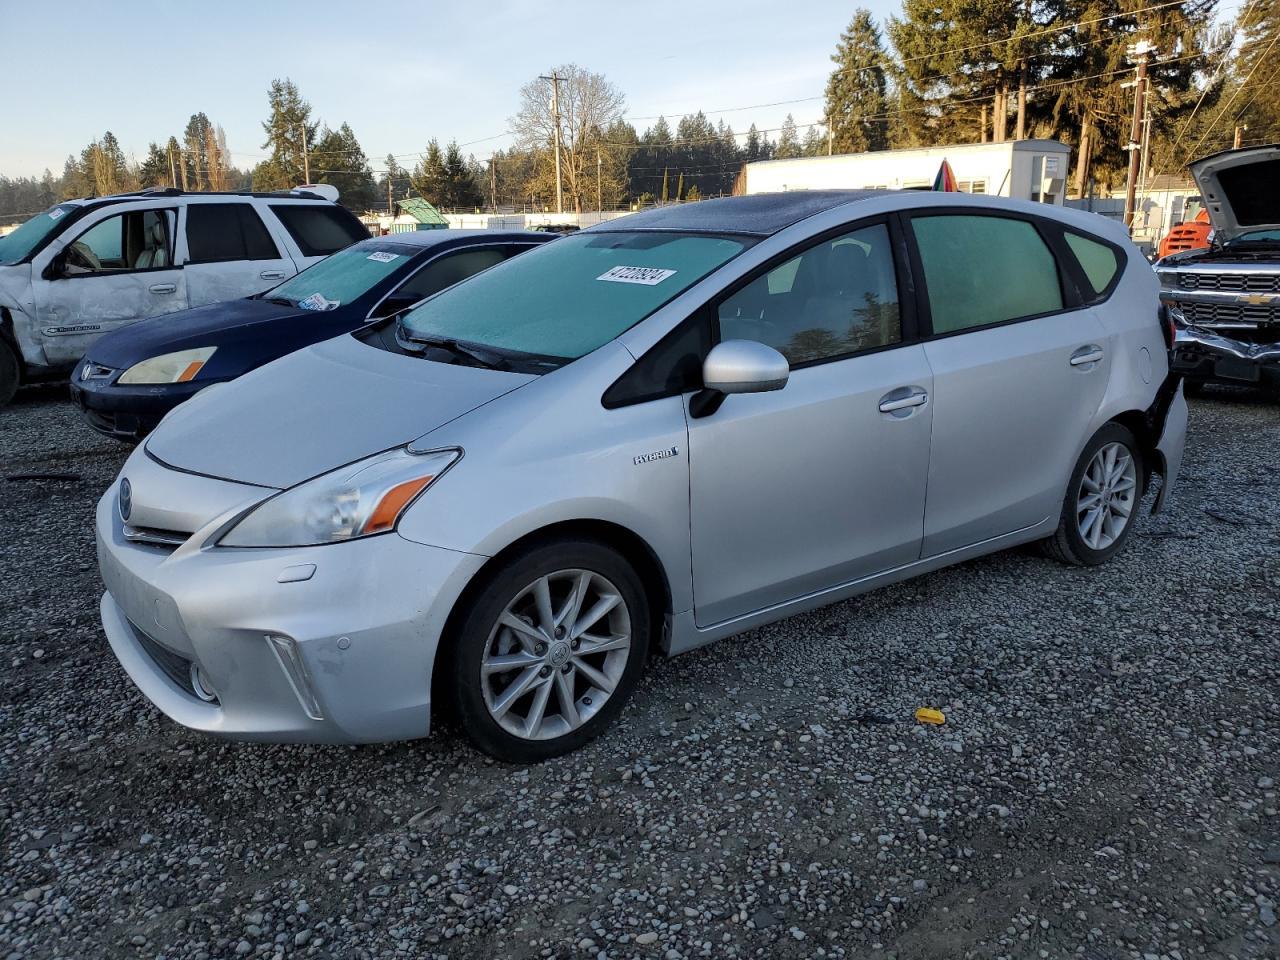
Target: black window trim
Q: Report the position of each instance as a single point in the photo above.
(1071, 298)
(706, 313)
(244, 241)
(276, 204)
(173, 244)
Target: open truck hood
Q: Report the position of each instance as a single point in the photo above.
(318, 409)
(1241, 189)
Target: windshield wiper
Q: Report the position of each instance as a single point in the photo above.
(467, 353)
(283, 301)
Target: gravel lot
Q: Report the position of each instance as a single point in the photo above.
(1104, 787)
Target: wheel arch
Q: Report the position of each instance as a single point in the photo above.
(625, 541)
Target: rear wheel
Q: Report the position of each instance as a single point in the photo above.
(9, 373)
(549, 651)
(1102, 499)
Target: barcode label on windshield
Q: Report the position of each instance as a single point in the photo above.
(649, 276)
(382, 256)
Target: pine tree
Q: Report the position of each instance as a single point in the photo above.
(338, 159)
(195, 140)
(788, 140)
(290, 117)
(461, 189)
(154, 171)
(1258, 103)
(856, 90)
(429, 178)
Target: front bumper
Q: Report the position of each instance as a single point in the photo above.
(365, 627)
(128, 412)
(1203, 354)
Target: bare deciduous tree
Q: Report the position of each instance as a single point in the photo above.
(588, 105)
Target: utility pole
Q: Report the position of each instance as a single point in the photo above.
(1020, 130)
(173, 172)
(306, 164)
(599, 192)
(493, 186)
(831, 138)
(1141, 53)
(1235, 139)
(984, 123)
(390, 208)
(555, 120)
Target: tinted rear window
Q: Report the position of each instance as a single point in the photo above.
(1098, 260)
(227, 231)
(319, 230)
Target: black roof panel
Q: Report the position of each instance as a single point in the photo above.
(759, 213)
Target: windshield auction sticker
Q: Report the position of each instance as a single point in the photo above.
(648, 276)
(55, 213)
(318, 301)
(382, 256)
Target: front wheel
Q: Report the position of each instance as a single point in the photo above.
(1102, 499)
(9, 373)
(549, 650)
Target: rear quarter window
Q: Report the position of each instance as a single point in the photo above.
(1099, 262)
(319, 230)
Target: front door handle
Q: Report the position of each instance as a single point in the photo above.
(272, 274)
(163, 287)
(904, 398)
(1090, 354)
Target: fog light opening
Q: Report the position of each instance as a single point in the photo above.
(201, 686)
(295, 669)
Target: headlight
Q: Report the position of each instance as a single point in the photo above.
(169, 367)
(357, 500)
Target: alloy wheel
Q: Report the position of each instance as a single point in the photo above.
(556, 654)
(1107, 496)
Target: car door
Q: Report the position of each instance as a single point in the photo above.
(228, 252)
(822, 482)
(115, 267)
(1019, 371)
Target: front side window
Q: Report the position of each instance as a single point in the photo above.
(447, 271)
(217, 232)
(346, 276)
(137, 240)
(1099, 261)
(319, 230)
(984, 270)
(569, 297)
(836, 298)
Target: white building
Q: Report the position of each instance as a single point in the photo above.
(1024, 169)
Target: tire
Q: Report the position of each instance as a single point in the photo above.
(543, 660)
(1192, 388)
(10, 373)
(1078, 541)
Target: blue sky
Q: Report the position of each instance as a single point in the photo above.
(399, 73)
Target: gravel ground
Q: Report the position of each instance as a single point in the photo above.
(1104, 787)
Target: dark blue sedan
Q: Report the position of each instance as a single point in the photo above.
(132, 377)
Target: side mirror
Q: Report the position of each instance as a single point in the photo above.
(738, 366)
(395, 303)
(744, 366)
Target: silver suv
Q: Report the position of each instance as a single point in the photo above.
(640, 438)
(86, 267)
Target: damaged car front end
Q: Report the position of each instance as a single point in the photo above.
(1224, 300)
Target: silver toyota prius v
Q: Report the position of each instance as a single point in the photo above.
(640, 438)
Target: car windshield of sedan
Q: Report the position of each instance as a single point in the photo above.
(342, 277)
(16, 245)
(569, 297)
(1270, 237)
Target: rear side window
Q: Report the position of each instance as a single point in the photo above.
(1099, 262)
(217, 232)
(448, 270)
(985, 270)
(319, 230)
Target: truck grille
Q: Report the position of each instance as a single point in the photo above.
(1198, 312)
(1241, 282)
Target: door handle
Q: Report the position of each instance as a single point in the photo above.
(272, 274)
(897, 400)
(1090, 354)
(163, 287)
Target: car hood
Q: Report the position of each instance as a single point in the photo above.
(318, 409)
(1239, 188)
(208, 325)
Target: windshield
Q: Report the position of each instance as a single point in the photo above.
(18, 244)
(1255, 236)
(342, 277)
(571, 296)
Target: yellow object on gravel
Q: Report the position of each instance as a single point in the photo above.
(930, 715)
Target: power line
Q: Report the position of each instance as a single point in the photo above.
(1221, 113)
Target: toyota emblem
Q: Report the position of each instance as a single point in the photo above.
(126, 499)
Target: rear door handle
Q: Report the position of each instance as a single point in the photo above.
(903, 399)
(272, 274)
(1090, 354)
(163, 287)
